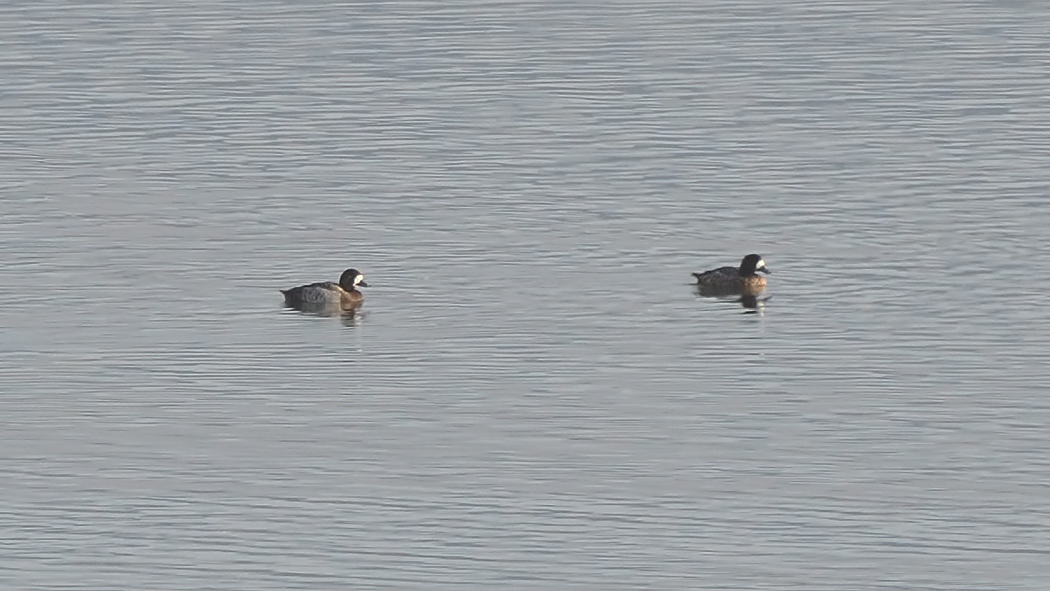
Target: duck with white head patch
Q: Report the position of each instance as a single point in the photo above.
(328, 296)
(734, 280)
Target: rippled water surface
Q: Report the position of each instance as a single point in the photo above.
(533, 396)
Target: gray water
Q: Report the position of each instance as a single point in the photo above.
(533, 396)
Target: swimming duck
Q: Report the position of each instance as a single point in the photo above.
(734, 280)
(327, 295)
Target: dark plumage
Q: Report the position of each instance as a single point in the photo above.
(734, 280)
(328, 296)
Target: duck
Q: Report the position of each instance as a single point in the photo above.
(734, 280)
(326, 295)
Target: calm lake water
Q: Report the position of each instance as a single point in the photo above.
(533, 397)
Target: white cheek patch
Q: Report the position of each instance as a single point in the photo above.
(760, 264)
(359, 279)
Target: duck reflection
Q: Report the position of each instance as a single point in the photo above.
(753, 304)
(352, 316)
(751, 300)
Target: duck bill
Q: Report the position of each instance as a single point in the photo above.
(764, 270)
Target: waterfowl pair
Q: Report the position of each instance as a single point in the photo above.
(327, 296)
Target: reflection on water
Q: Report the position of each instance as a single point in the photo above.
(753, 302)
(352, 316)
